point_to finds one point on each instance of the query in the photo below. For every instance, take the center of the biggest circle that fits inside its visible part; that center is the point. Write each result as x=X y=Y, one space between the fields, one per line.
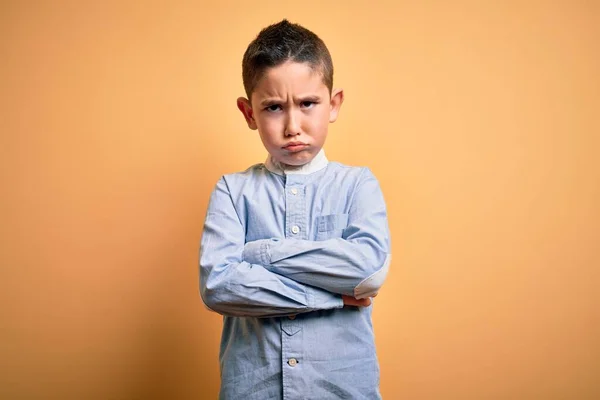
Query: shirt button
x=292 y=317
x=294 y=191
x=292 y=362
x=295 y=229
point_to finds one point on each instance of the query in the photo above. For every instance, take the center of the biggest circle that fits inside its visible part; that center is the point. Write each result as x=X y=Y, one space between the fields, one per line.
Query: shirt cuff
x=319 y=299
x=258 y=251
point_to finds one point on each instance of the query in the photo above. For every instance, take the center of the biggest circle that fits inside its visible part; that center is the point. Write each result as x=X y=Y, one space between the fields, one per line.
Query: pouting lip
x=290 y=144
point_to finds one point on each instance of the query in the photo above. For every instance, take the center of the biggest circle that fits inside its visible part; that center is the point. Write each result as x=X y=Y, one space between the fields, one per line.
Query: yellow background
x=480 y=120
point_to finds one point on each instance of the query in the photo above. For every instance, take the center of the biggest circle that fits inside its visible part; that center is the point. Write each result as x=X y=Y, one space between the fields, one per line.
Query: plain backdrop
x=480 y=119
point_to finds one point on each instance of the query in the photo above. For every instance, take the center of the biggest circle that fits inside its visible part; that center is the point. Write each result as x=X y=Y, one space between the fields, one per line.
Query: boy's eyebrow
x=270 y=101
x=275 y=100
x=309 y=97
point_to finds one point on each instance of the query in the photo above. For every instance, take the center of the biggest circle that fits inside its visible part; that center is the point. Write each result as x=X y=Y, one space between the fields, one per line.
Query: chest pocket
x=331 y=226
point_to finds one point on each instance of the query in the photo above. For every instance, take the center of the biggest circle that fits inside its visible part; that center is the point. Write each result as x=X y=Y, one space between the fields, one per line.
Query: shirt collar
x=314 y=165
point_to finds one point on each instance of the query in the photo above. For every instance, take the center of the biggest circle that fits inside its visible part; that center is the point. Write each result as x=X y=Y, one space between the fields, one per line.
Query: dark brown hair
x=279 y=43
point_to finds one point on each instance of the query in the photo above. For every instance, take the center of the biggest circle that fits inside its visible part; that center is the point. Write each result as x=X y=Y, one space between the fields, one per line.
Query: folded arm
x=354 y=265
x=231 y=286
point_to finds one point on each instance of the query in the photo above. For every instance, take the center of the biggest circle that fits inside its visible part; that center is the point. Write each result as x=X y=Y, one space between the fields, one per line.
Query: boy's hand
x=351 y=301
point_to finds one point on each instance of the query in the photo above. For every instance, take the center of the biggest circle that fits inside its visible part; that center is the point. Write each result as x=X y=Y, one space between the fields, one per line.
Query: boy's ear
x=246 y=108
x=337 y=98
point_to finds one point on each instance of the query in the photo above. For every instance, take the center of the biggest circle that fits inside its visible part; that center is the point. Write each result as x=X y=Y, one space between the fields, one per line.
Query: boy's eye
x=273 y=107
x=307 y=104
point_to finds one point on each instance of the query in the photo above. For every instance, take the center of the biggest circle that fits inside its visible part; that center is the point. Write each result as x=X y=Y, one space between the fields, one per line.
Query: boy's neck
x=316 y=164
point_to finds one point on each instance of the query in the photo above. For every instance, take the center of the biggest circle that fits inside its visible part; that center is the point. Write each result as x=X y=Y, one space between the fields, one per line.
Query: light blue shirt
x=279 y=248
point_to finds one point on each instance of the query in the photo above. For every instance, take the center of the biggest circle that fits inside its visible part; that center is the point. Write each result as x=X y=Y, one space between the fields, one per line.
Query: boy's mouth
x=295 y=146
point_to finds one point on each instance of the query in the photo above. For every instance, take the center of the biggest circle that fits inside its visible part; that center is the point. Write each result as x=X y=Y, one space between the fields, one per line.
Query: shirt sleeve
x=234 y=287
x=355 y=265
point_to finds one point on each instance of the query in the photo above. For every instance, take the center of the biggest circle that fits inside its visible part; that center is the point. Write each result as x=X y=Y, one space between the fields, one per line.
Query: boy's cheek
x=265 y=127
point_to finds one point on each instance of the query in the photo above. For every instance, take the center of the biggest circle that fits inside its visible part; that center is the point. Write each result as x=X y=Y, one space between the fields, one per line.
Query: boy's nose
x=292 y=128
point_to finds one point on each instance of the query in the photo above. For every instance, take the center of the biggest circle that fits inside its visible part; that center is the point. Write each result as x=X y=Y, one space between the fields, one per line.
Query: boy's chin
x=296 y=160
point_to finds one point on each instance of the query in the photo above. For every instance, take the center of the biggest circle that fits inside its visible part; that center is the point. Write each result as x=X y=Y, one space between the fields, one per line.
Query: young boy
x=294 y=249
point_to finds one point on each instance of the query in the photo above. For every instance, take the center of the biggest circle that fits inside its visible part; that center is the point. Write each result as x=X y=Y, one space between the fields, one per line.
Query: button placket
x=294 y=208
x=295 y=228
x=291 y=328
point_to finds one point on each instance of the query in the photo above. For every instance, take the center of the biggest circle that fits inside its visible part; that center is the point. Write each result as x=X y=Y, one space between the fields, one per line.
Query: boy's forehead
x=290 y=76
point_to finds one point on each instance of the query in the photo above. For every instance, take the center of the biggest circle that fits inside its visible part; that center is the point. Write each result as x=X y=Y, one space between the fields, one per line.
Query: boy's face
x=291 y=108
